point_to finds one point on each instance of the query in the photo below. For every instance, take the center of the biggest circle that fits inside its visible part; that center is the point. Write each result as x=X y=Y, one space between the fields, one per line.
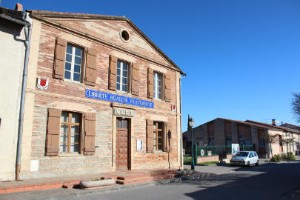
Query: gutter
x=27 y=30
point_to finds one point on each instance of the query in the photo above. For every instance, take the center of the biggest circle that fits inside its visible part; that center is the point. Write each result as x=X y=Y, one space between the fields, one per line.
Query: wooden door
x=123 y=147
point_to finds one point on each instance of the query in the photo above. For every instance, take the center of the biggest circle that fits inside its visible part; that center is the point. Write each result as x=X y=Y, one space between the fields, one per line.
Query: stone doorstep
x=128 y=179
x=142 y=178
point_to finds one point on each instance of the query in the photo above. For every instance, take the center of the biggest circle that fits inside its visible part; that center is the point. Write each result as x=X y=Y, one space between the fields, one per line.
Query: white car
x=246 y=158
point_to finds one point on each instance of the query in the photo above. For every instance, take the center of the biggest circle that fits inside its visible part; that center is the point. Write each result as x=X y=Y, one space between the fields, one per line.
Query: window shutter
x=53 y=132
x=165 y=138
x=89 y=133
x=150 y=83
x=112 y=82
x=167 y=91
x=149 y=136
x=60 y=56
x=135 y=79
x=90 y=70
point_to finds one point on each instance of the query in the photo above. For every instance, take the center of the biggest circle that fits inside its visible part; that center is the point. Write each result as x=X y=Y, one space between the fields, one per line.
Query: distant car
x=246 y=158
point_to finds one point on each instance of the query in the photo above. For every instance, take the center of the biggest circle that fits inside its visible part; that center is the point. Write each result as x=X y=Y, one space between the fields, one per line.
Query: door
x=123 y=147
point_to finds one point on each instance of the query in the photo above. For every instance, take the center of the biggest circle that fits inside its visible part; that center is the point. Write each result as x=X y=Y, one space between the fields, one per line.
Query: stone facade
x=104 y=36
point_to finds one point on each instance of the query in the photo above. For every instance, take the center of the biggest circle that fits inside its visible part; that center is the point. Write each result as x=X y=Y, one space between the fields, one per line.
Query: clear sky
x=241 y=57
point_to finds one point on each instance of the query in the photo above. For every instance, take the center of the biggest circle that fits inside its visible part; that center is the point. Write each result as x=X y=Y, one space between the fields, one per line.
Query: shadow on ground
x=266 y=182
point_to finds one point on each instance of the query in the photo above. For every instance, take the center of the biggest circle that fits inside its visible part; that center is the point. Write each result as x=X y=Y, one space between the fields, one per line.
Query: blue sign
x=94 y=94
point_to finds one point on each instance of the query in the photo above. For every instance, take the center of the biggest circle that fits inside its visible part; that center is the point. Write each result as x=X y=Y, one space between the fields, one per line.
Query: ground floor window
x=70 y=132
x=158 y=135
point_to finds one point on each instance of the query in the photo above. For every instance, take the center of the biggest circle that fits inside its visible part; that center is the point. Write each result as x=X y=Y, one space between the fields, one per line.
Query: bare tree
x=296 y=105
x=271 y=139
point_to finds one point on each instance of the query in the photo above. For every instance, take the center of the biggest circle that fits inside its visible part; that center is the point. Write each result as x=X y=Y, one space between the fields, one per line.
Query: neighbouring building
x=266 y=139
x=14 y=29
x=296 y=136
x=101 y=97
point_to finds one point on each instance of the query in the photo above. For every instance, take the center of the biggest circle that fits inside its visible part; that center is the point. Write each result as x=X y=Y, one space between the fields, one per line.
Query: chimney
x=274 y=122
x=19 y=7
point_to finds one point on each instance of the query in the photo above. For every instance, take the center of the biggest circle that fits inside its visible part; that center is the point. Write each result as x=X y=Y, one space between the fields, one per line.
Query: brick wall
x=70 y=96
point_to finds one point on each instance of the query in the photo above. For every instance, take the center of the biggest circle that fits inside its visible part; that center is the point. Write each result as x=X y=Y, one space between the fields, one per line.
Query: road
x=270 y=181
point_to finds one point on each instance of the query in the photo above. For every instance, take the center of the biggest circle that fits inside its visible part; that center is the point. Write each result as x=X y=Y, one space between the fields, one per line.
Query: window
x=228 y=140
x=158 y=135
x=73 y=64
x=158 y=85
x=70 y=132
x=211 y=140
x=122 y=76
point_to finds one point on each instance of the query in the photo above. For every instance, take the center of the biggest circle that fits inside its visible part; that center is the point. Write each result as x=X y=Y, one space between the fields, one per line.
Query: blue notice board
x=94 y=94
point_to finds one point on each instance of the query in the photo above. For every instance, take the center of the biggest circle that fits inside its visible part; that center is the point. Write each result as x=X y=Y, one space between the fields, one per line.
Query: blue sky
x=241 y=57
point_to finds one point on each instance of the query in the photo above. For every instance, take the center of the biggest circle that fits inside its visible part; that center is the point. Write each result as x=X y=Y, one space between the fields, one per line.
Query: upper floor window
x=157 y=85
x=73 y=64
x=122 y=76
x=70 y=132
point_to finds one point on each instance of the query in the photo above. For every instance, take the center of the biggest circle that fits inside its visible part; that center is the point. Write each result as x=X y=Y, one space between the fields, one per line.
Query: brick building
x=267 y=139
x=101 y=96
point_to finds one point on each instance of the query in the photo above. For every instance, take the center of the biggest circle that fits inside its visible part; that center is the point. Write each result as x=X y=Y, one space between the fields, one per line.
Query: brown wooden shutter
x=53 y=132
x=150 y=83
x=90 y=70
x=149 y=136
x=60 y=56
x=167 y=91
x=165 y=138
x=89 y=133
x=112 y=79
x=135 y=79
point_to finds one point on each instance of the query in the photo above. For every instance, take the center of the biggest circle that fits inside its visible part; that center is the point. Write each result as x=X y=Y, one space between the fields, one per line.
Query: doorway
x=123 y=144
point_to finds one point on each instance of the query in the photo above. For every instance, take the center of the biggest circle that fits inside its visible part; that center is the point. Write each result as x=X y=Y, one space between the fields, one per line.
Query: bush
x=291 y=156
x=288 y=156
x=187 y=160
x=209 y=163
x=276 y=158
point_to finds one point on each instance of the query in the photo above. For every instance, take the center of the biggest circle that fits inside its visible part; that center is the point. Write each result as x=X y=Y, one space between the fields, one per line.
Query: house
x=101 y=97
x=266 y=139
x=14 y=34
x=296 y=136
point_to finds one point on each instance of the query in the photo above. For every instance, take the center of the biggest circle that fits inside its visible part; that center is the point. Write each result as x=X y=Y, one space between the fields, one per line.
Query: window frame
x=73 y=63
x=69 y=125
x=158 y=146
x=120 y=74
x=158 y=81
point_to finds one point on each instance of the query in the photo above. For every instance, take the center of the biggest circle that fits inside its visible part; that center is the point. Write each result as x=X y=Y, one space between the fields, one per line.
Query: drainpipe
x=27 y=30
x=181 y=142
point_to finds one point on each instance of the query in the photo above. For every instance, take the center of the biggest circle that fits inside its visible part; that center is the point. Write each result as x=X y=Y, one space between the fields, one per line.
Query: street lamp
x=191 y=124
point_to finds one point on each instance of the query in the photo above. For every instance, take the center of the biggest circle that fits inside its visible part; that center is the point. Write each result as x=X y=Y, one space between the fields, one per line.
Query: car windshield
x=243 y=154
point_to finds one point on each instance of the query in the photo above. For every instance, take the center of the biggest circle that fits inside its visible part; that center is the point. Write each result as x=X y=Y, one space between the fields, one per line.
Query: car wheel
x=257 y=163
x=248 y=164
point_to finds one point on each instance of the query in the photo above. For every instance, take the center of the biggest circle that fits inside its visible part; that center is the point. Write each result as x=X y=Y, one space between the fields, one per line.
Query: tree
x=270 y=139
x=296 y=105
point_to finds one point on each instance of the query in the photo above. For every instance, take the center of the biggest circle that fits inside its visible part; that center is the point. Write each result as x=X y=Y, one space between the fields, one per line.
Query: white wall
x=11 y=65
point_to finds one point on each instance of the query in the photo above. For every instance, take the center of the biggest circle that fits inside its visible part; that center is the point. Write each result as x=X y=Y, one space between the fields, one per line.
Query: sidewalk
x=132 y=177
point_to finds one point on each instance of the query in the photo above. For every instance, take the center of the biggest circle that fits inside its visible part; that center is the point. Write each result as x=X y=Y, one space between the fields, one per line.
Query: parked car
x=246 y=158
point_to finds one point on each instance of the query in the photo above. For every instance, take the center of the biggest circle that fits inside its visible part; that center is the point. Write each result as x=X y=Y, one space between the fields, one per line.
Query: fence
x=214 y=150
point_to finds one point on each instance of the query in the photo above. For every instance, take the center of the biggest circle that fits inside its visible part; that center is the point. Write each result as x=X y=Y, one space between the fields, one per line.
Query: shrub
x=291 y=156
x=187 y=160
x=276 y=158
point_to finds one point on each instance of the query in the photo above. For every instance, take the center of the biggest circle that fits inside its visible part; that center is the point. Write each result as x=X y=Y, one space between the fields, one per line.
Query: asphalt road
x=270 y=181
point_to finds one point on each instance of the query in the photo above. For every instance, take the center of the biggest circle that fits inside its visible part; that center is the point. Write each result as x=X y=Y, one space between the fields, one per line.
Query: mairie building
x=100 y=97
